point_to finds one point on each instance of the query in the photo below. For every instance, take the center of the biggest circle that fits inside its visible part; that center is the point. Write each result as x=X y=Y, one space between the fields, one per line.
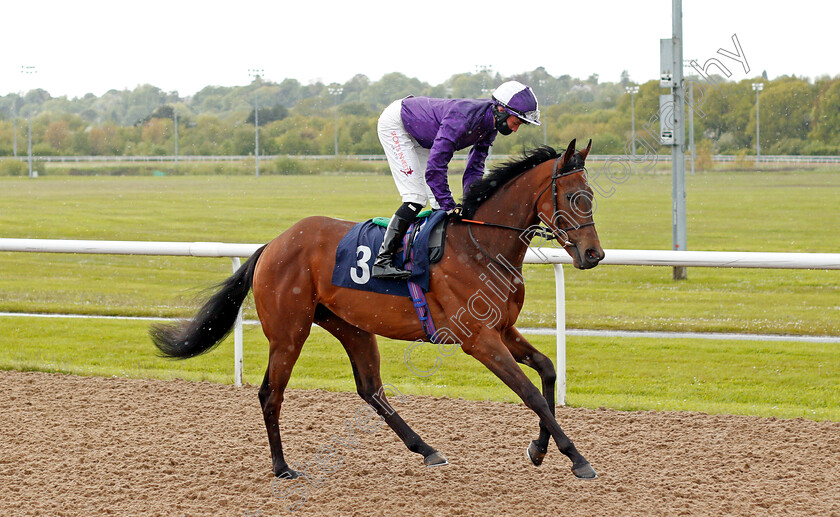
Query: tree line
x=798 y=116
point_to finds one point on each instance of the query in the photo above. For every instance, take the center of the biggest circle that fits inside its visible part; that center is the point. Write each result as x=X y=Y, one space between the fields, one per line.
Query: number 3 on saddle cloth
x=357 y=251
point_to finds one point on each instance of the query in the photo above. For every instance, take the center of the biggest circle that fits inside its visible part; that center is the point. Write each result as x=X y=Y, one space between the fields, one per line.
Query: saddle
x=357 y=250
x=437 y=238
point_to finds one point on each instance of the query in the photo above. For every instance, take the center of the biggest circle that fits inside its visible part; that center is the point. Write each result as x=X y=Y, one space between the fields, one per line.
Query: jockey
x=420 y=135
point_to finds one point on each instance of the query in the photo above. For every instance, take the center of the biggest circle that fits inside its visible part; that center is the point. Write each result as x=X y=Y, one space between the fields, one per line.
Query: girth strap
x=421 y=306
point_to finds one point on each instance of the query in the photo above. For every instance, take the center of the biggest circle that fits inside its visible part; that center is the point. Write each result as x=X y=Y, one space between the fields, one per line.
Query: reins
x=546 y=233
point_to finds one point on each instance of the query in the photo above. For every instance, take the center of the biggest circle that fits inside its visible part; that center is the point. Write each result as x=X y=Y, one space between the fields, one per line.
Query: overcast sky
x=93 y=46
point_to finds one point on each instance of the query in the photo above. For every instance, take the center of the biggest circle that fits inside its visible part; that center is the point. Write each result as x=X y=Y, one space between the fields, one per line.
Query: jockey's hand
x=456 y=212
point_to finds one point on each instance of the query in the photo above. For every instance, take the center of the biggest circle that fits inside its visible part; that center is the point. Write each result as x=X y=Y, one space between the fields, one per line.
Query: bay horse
x=291 y=279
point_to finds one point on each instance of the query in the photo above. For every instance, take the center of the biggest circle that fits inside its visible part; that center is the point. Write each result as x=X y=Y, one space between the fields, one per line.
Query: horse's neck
x=513 y=205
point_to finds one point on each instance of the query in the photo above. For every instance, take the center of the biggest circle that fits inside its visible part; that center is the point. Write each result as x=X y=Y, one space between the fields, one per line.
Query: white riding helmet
x=518 y=99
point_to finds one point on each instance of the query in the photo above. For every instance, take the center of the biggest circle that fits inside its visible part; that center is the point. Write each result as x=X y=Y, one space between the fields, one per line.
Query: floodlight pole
x=632 y=90
x=483 y=70
x=692 y=147
x=544 y=125
x=485 y=91
x=256 y=73
x=335 y=92
x=690 y=86
x=678 y=148
x=30 y=145
x=15 y=116
x=29 y=71
x=757 y=87
x=175 y=117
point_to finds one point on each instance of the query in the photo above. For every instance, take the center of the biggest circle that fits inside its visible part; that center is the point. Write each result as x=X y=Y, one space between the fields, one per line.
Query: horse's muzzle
x=590 y=258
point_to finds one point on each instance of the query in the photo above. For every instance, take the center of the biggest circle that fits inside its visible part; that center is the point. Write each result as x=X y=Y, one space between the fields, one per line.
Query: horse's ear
x=570 y=151
x=585 y=152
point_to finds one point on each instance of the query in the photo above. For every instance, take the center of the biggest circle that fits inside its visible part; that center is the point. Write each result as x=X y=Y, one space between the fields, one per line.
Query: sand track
x=95 y=446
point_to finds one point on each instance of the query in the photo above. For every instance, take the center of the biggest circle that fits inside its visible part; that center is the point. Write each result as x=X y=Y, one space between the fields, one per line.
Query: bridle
x=547 y=233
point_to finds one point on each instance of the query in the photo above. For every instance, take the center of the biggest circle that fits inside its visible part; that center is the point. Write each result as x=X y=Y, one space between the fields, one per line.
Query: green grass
x=768 y=211
x=782 y=379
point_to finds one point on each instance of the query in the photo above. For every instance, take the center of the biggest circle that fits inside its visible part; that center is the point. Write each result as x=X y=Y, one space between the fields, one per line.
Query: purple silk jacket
x=446 y=126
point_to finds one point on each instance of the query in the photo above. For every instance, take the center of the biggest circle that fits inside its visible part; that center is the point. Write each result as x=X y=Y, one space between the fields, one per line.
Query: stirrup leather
x=383 y=266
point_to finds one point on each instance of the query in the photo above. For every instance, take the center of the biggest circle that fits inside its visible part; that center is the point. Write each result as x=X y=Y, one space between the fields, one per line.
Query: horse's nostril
x=592 y=255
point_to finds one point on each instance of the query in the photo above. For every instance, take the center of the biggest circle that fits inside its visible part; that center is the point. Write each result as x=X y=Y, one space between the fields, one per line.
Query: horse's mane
x=484 y=188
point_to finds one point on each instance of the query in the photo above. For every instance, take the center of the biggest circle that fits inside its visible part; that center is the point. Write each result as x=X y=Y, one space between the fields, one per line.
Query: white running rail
x=554 y=256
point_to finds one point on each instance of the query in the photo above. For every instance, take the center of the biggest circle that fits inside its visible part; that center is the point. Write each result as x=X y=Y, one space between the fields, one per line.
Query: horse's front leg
x=525 y=353
x=489 y=349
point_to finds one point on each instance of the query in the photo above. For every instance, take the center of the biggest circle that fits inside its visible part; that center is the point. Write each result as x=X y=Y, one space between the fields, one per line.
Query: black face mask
x=501 y=121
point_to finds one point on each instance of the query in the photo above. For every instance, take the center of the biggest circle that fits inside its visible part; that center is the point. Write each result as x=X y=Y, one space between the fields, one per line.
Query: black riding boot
x=384 y=266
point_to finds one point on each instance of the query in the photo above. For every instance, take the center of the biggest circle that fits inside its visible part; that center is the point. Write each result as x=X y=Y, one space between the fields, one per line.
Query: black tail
x=214 y=321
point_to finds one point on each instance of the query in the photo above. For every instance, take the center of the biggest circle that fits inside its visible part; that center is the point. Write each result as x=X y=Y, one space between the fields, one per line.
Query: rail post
x=560 y=309
x=238 y=362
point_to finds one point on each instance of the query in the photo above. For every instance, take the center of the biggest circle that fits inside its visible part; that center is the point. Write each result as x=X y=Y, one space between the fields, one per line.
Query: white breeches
x=406 y=157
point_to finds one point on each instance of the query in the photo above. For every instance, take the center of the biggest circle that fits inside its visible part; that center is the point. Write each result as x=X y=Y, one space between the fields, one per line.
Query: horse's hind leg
x=525 y=353
x=285 y=343
x=364 y=357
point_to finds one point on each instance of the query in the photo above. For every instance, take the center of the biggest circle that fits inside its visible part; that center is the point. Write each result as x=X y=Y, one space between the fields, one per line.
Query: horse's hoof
x=535 y=454
x=435 y=459
x=584 y=471
x=286 y=473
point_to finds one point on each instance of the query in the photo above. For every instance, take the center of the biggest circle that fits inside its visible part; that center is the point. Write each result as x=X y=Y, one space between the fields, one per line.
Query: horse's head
x=570 y=207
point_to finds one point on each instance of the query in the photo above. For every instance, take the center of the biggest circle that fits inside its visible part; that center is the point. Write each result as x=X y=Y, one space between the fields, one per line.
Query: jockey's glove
x=456 y=212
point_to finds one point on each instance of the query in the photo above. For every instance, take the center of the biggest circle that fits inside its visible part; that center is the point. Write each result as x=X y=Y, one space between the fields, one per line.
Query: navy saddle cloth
x=357 y=251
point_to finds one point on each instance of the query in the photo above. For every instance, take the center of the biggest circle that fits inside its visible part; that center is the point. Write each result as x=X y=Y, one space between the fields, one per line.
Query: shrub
x=815 y=147
x=350 y=165
x=744 y=159
x=286 y=165
x=729 y=143
x=12 y=167
x=703 y=160
x=787 y=146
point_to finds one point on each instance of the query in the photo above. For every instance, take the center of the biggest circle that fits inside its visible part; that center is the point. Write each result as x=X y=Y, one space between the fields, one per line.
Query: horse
x=484 y=251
